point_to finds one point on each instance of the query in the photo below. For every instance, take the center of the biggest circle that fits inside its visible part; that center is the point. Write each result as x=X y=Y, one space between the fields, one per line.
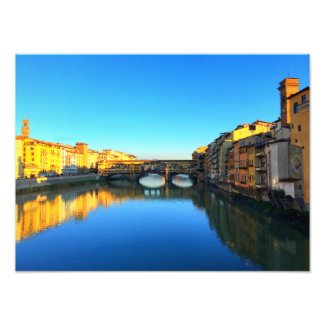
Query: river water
x=154 y=225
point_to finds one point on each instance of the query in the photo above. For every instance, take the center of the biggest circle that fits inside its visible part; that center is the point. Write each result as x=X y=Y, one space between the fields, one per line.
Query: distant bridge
x=135 y=169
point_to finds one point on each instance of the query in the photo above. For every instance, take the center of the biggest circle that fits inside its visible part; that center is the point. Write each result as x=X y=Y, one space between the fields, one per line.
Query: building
x=300 y=136
x=263 y=160
x=69 y=160
x=82 y=157
x=37 y=157
x=295 y=114
x=218 y=167
x=109 y=154
x=245 y=130
x=93 y=157
x=288 y=86
x=19 y=157
x=41 y=157
x=199 y=158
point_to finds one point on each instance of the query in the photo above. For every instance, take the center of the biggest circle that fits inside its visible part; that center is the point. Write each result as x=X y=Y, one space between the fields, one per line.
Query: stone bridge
x=133 y=170
x=131 y=176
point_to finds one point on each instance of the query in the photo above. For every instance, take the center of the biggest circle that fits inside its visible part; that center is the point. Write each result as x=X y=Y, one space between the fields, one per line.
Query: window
x=296 y=140
x=252 y=127
x=291 y=126
x=303 y=99
x=299 y=127
x=295 y=108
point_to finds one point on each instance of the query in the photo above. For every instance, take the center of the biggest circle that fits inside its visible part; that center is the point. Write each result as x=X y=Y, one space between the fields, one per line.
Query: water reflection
x=182 y=181
x=152 y=181
x=259 y=242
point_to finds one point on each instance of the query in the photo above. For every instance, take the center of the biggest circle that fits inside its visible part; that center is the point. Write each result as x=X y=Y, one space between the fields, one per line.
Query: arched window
x=295 y=108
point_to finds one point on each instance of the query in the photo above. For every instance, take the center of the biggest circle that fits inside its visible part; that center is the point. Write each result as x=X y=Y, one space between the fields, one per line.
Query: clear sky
x=153 y=106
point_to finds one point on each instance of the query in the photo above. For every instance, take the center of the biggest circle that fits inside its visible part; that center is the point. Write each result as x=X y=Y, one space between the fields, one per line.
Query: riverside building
x=36 y=157
x=267 y=161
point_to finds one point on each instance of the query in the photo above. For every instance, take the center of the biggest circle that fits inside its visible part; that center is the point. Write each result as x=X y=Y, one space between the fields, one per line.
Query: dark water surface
x=150 y=226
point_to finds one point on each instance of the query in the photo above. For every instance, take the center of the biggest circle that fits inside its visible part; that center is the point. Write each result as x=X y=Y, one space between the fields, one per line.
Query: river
x=154 y=225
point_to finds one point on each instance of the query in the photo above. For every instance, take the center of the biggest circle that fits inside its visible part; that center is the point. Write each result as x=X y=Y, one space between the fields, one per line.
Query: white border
x=159 y=27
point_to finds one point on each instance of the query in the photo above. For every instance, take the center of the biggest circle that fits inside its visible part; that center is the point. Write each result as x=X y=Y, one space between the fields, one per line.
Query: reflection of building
x=256 y=238
x=43 y=212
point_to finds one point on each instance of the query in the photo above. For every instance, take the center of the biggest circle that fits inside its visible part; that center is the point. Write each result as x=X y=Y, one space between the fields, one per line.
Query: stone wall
x=33 y=183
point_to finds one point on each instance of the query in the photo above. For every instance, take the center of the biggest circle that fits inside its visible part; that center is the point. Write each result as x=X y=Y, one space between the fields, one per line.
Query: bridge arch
x=117 y=176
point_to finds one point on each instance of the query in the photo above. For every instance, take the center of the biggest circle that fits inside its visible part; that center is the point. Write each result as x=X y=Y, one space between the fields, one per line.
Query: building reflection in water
x=36 y=213
x=256 y=238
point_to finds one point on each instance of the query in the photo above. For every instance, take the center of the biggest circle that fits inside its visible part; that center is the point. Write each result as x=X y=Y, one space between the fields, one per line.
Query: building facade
x=36 y=158
x=267 y=161
x=300 y=133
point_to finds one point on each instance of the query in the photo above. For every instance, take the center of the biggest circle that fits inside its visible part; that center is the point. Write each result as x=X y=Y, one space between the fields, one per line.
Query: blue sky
x=153 y=106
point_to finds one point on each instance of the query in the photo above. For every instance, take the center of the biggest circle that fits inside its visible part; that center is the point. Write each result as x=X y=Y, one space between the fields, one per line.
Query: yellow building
x=299 y=117
x=247 y=130
x=109 y=154
x=34 y=157
x=82 y=160
x=93 y=157
x=40 y=157
x=19 y=157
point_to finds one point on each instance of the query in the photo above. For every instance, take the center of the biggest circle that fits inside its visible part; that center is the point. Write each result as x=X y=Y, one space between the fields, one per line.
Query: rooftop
x=299 y=92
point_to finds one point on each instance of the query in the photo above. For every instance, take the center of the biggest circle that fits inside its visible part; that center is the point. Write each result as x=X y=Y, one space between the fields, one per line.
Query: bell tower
x=25 y=130
x=288 y=86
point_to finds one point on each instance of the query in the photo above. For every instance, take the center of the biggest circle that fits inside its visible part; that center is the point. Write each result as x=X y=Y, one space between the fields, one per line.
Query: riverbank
x=44 y=183
x=296 y=219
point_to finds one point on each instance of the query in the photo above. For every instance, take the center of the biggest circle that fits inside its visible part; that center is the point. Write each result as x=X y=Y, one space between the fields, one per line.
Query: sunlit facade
x=19 y=157
x=36 y=158
x=268 y=161
x=300 y=125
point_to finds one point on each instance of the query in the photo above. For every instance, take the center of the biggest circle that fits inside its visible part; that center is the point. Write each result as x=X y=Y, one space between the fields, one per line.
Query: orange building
x=295 y=113
x=299 y=111
x=243 y=166
x=235 y=170
x=288 y=86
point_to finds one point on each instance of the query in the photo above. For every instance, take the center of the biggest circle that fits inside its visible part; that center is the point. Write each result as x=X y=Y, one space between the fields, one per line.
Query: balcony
x=260 y=154
x=261 y=185
x=260 y=169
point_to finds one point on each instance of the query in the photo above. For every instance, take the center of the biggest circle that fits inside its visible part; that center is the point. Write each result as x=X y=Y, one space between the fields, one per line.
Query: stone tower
x=25 y=130
x=288 y=86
